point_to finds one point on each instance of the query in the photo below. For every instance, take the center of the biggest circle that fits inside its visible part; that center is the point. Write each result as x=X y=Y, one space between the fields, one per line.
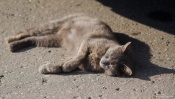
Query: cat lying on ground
x=92 y=41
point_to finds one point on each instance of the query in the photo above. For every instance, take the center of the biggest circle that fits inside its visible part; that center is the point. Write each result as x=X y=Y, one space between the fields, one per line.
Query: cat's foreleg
x=73 y=63
x=67 y=66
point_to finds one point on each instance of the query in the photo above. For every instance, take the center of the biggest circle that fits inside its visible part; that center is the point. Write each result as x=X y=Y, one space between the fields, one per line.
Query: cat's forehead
x=115 y=54
x=116 y=51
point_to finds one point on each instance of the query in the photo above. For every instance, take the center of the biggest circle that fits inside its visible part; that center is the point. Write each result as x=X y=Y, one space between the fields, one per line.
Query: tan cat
x=91 y=40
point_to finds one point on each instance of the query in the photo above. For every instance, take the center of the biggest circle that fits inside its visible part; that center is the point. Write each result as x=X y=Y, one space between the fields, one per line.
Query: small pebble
x=12 y=14
x=44 y=81
x=89 y=97
x=104 y=87
x=77 y=86
x=1 y=76
x=100 y=95
x=76 y=97
x=21 y=66
x=117 y=89
x=159 y=92
x=78 y=4
x=152 y=82
x=159 y=52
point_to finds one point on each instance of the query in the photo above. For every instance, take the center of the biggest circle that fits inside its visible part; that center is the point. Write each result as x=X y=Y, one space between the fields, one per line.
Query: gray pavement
x=153 y=47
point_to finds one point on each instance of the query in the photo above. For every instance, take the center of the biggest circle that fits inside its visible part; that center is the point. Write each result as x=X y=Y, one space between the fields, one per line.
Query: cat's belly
x=71 y=44
x=72 y=39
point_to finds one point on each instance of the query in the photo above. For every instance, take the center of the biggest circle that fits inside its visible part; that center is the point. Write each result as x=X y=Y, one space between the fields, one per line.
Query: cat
x=92 y=41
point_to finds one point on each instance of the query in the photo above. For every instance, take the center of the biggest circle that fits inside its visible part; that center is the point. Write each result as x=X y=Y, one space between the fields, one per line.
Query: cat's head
x=116 y=60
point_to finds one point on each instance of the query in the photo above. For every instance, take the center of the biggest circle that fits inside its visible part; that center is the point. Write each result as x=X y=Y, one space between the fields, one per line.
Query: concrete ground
x=148 y=24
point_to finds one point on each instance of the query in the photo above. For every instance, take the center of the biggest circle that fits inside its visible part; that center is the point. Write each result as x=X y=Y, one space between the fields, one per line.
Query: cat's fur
x=92 y=41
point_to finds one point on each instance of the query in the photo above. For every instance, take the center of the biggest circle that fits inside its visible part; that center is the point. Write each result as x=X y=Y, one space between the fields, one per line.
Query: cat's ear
x=126 y=48
x=127 y=70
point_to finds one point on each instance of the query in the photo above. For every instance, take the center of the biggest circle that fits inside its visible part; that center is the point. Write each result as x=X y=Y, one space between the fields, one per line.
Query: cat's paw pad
x=50 y=69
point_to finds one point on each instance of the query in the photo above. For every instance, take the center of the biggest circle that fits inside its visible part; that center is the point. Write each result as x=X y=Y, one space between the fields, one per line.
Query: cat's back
x=81 y=27
x=85 y=26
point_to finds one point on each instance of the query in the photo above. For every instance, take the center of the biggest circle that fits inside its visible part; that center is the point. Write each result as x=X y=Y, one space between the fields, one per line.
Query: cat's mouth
x=111 y=71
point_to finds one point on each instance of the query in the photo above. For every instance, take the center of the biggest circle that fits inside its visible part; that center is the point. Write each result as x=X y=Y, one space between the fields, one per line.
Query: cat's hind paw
x=16 y=37
x=50 y=69
x=13 y=47
x=10 y=39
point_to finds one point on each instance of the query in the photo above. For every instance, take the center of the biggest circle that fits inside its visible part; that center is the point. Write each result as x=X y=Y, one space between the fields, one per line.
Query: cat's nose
x=105 y=62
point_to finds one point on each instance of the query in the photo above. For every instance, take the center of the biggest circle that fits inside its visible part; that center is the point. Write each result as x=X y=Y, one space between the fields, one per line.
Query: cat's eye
x=122 y=63
x=112 y=63
x=106 y=56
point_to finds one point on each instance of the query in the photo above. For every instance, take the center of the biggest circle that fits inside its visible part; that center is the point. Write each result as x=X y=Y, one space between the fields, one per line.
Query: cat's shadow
x=76 y=72
x=144 y=69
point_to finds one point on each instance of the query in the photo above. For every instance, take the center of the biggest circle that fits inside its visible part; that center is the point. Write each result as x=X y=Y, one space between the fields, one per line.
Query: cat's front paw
x=50 y=69
x=69 y=66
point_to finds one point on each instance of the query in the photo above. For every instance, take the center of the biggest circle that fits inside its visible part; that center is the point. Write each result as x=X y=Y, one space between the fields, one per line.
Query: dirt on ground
x=148 y=24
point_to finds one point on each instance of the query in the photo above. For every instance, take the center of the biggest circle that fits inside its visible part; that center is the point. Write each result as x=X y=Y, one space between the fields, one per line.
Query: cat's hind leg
x=51 y=28
x=47 y=29
x=42 y=41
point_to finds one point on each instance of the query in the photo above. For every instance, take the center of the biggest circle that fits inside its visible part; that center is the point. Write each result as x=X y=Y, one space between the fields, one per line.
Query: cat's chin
x=111 y=73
